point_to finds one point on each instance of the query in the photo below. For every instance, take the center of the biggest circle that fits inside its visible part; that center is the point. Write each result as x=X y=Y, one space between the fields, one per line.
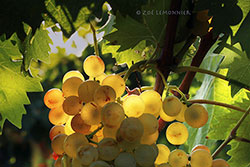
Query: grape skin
x=99 y=164
x=166 y=117
x=72 y=73
x=55 y=130
x=133 y=106
x=86 y=91
x=78 y=125
x=72 y=105
x=152 y=101
x=150 y=139
x=131 y=129
x=108 y=149
x=200 y=146
x=178 y=158
x=93 y=66
x=149 y=122
x=125 y=160
x=87 y=154
x=73 y=142
x=53 y=98
x=172 y=106
x=162 y=155
x=196 y=115
x=180 y=117
x=116 y=82
x=145 y=155
x=70 y=86
x=200 y=158
x=67 y=128
x=177 y=133
x=57 y=144
x=91 y=113
x=112 y=114
x=57 y=116
x=103 y=95
x=220 y=163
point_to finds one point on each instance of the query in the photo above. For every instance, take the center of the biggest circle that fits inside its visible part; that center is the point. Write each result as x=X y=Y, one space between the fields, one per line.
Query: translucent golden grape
x=178 y=158
x=116 y=82
x=73 y=73
x=196 y=115
x=93 y=66
x=172 y=106
x=163 y=154
x=133 y=106
x=177 y=133
x=201 y=157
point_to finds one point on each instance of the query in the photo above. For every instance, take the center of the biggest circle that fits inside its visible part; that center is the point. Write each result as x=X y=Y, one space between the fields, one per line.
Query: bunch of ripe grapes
x=95 y=126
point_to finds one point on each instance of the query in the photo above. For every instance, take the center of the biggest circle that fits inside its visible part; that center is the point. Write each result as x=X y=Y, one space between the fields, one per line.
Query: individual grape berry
x=163 y=154
x=91 y=113
x=73 y=73
x=116 y=82
x=57 y=116
x=152 y=101
x=150 y=123
x=108 y=149
x=172 y=106
x=196 y=115
x=178 y=158
x=70 y=86
x=133 y=106
x=73 y=142
x=103 y=95
x=220 y=163
x=55 y=130
x=200 y=146
x=57 y=144
x=125 y=160
x=177 y=133
x=53 y=98
x=79 y=125
x=87 y=154
x=112 y=114
x=72 y=105
x=145 y=155
x=86 y=91
x=201 y=157
x=93 y=66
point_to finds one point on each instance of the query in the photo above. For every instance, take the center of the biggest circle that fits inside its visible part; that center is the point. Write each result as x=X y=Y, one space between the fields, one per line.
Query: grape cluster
x=95 y=126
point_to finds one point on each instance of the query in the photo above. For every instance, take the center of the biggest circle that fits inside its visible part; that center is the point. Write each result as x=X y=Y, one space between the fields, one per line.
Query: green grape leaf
x=238 y=65
x=73 y=14
x=224 y=120
x=130 y=32
x=128 y=7
x=138 y=53
x=36 y=47
x=14 y=85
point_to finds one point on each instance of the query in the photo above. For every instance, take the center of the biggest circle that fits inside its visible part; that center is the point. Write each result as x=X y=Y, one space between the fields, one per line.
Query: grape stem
x=91 y=135
x=202 y=101
x=232 y=134
x=95 y=40
x=241 y=139
x=215 y=74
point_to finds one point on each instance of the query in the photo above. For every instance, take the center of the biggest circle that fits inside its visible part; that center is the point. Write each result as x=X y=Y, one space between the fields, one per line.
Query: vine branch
x=215 y=74
x=217 y=103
